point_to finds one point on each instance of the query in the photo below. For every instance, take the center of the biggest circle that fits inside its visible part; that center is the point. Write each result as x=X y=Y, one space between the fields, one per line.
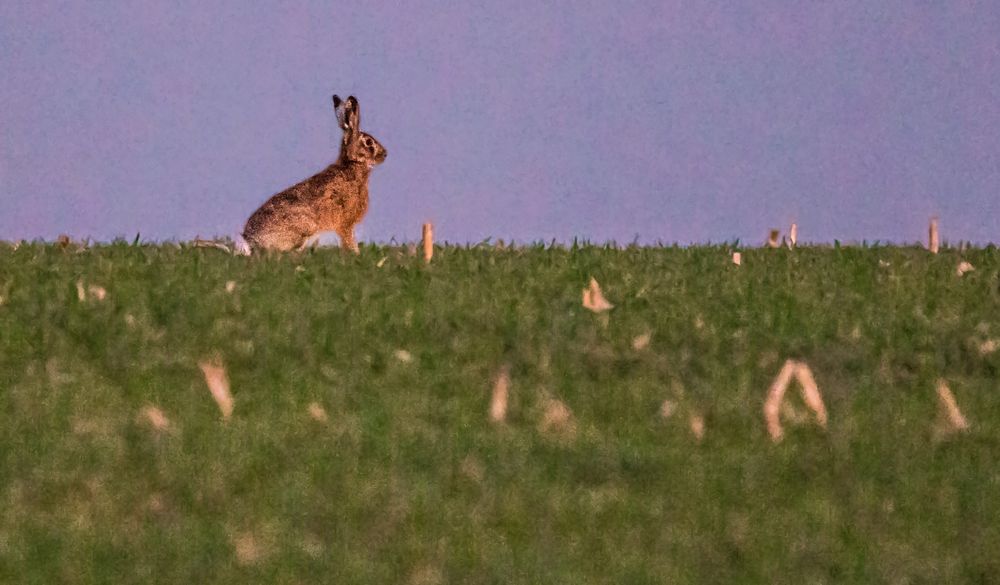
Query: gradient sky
x=663 y=121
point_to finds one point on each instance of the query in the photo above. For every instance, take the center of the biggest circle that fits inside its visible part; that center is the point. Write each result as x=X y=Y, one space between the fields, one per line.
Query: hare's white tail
x=240 y=246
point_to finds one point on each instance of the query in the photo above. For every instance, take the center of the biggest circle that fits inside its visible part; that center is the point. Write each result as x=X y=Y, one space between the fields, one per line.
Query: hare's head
x=357 y=146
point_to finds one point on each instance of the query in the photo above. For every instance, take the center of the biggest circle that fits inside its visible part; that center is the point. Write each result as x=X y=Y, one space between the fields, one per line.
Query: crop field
x=171 y=414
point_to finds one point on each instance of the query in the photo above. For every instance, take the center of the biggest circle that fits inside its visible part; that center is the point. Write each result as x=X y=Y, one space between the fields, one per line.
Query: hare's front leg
x=347 y=240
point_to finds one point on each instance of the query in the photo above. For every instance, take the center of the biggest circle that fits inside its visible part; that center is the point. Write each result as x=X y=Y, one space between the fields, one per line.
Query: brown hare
x=334 y=199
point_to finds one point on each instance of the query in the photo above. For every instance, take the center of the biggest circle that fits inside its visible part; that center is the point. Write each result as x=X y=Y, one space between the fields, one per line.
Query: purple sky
x=672 y=121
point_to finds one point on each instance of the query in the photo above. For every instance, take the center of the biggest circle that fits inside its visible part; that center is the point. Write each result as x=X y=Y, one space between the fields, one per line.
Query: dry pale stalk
x=155 y=417
x=230 y=286
x=933 y=240
x=558 y=417
x=964 y=267
x=317 y=412
x=426 y=574
x=949 y=407
x=248 y=550
x=793 y=235
x=403 y=356
x=641 y=341
x=428 y=242
x=501 y=389
x=772 y=238
x=737 y=258
x=772 y=407
x=155 y=503
x=697 y=423
x=668 y=408
x=810 y=392
x=91 y=291
x=200 y=243
x=810 y=395
x=593 y=298
x=218 y=385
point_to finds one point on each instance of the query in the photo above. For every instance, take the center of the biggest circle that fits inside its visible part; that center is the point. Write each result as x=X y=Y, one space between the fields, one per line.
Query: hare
x=335 y=199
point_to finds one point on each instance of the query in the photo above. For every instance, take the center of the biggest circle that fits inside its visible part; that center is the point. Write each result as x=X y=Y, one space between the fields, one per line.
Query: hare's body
x=335 y=199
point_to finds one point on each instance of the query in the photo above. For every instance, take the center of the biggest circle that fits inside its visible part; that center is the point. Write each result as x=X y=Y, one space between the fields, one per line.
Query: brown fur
x=335 y=199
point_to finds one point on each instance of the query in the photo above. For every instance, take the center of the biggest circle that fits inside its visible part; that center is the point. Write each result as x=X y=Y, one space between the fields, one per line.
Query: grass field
x=360 y=449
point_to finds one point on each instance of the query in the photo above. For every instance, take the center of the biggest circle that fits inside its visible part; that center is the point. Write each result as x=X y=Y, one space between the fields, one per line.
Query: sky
x=648 y=121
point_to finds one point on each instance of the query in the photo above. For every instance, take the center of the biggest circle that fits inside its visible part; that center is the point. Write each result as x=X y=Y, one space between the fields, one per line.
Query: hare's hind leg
x=281 y=241
x=347 y=240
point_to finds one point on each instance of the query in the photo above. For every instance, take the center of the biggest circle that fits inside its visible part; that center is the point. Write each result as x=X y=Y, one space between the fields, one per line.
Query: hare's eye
x=368 y=142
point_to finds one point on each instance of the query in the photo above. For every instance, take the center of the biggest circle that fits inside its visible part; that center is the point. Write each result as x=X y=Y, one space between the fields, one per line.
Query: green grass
x=409 y=482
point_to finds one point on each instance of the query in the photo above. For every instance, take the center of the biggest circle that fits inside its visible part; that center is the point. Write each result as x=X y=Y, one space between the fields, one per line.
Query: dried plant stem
x=933 y=240
x=501 y=389
x=428 y=238
x=949 y=407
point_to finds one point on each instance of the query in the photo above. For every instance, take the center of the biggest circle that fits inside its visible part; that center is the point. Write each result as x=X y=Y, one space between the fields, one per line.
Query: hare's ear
x=339 y=106
x=352 y=115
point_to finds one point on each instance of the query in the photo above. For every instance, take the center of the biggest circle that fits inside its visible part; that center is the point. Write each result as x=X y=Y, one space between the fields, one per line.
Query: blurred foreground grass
x=402 y=478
